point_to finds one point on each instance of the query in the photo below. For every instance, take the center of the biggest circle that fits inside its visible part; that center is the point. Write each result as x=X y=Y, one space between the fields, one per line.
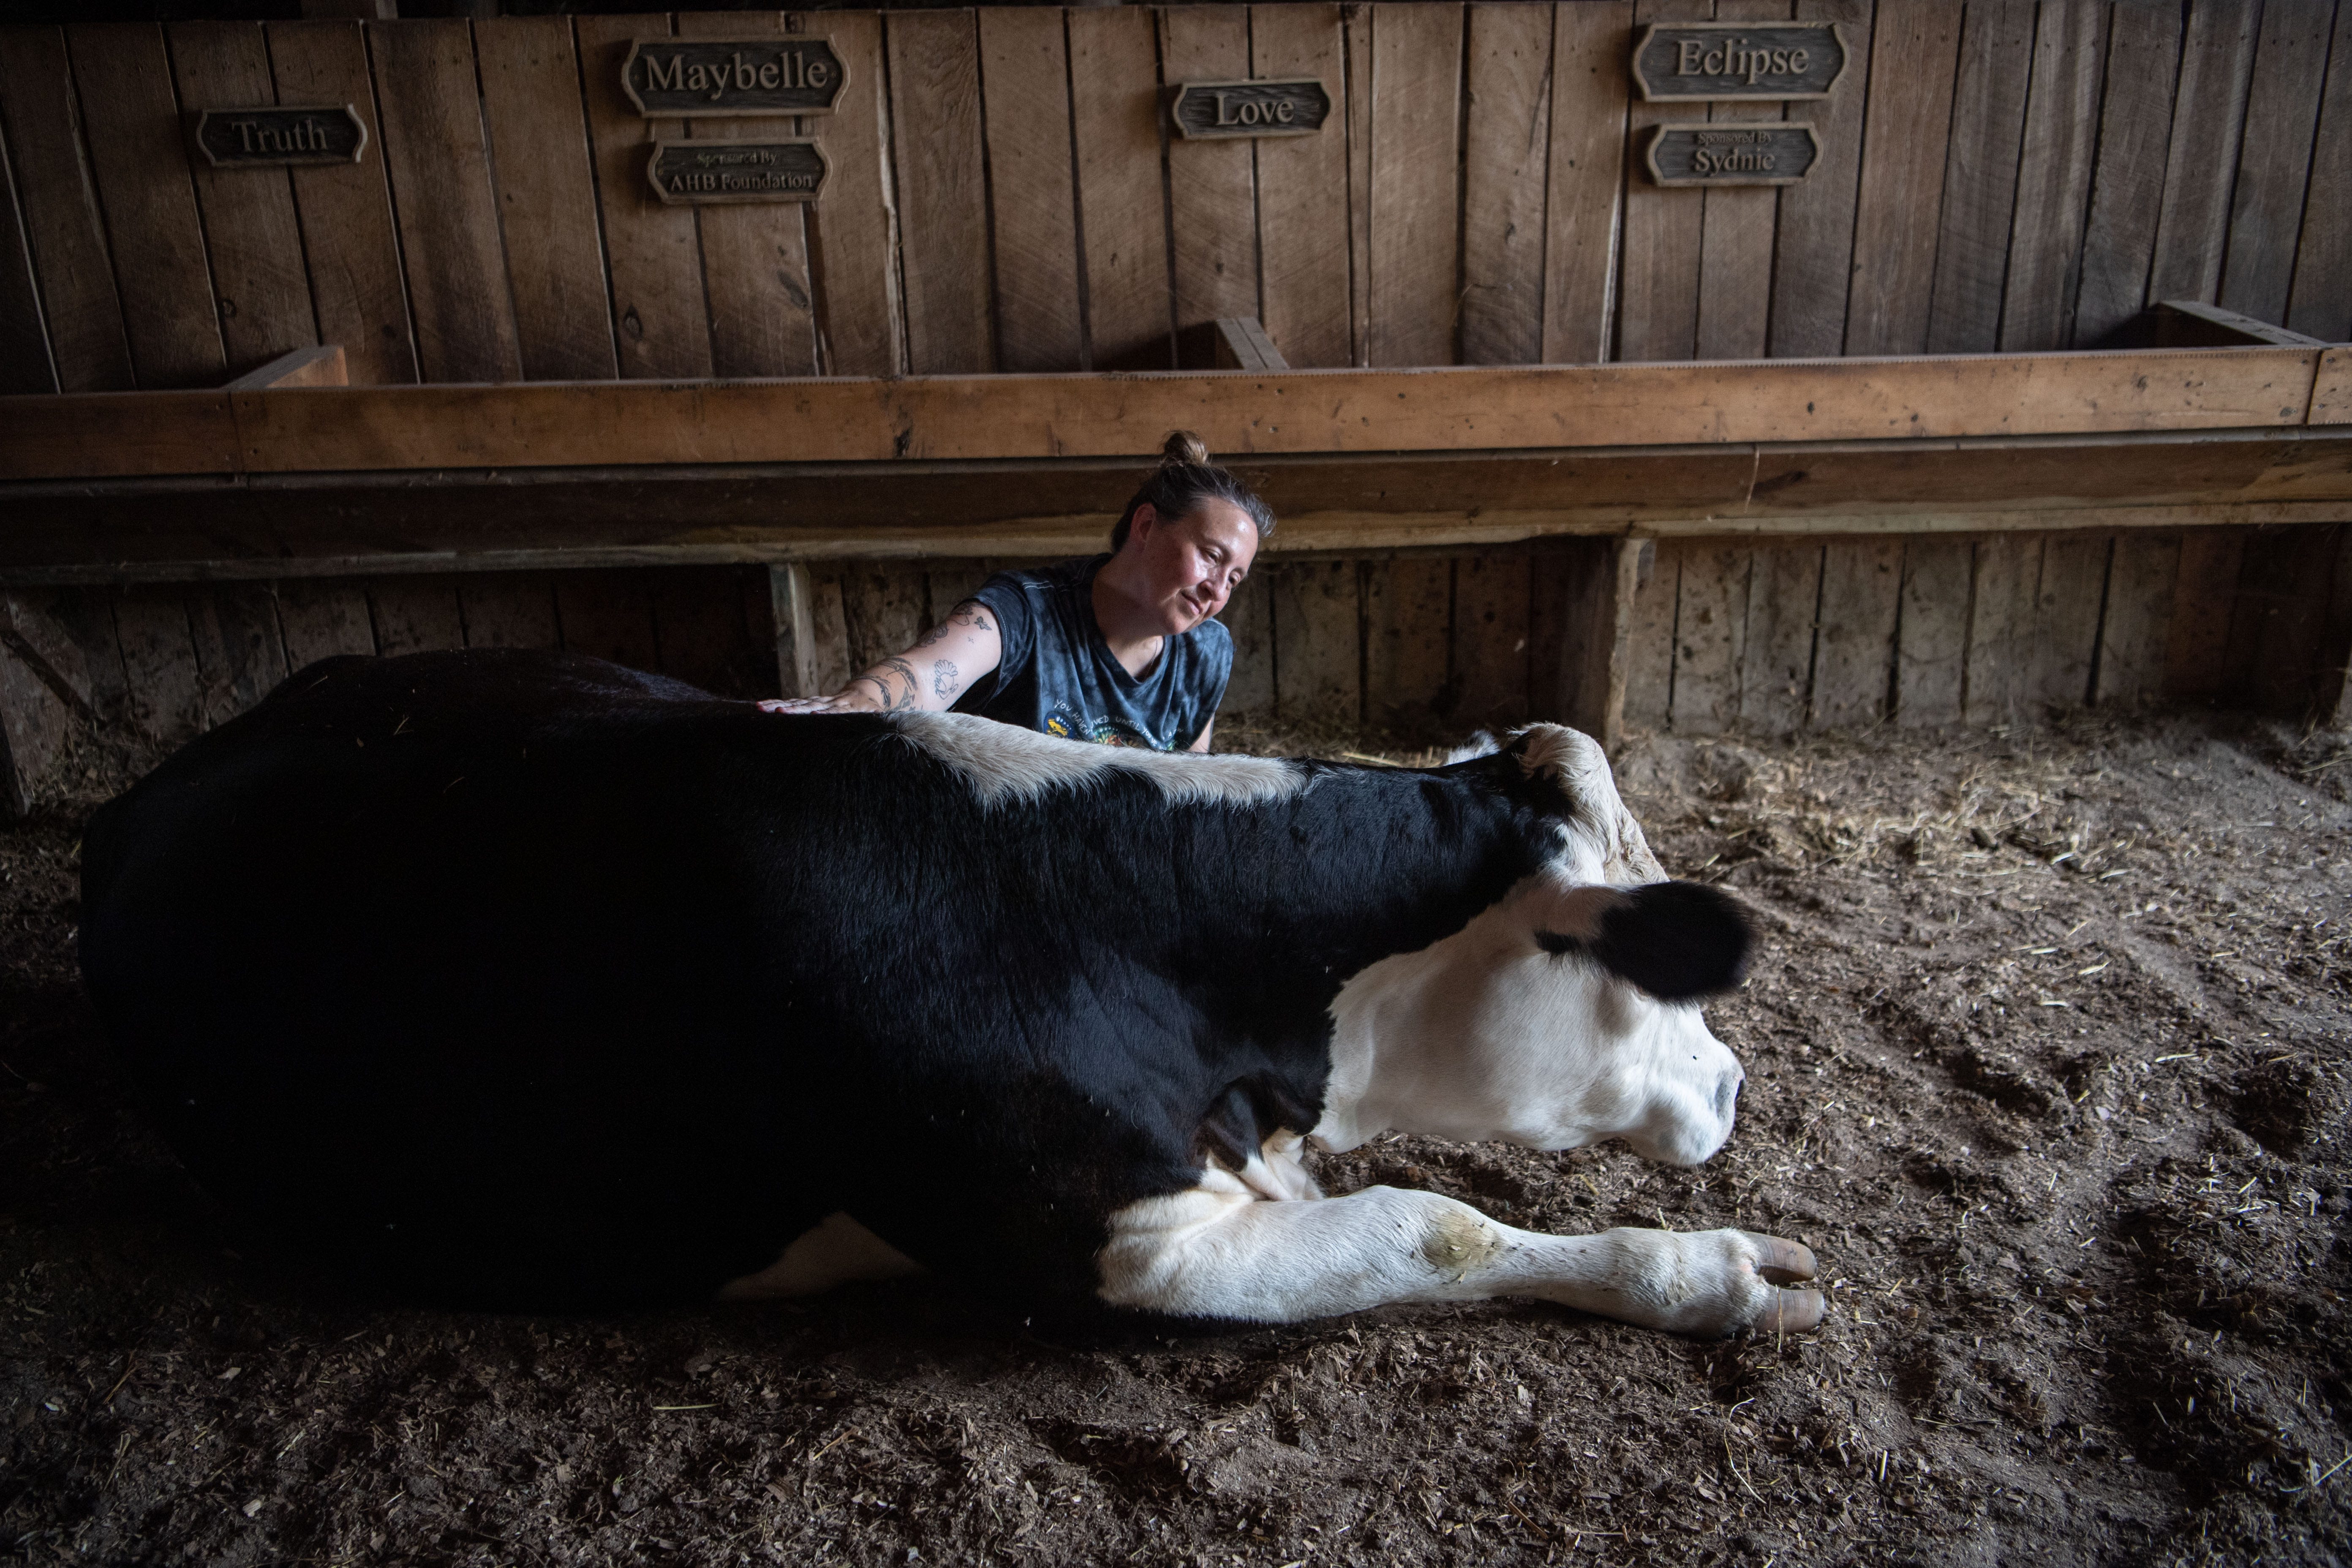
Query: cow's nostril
x=1726 y=1094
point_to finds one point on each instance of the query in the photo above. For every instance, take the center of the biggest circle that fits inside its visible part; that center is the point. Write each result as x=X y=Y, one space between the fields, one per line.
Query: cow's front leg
x=1219 y=1251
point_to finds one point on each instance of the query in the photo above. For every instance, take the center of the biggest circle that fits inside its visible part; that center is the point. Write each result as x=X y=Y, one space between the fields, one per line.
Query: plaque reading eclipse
x=718 y=173
x=1221 y=108
x=1720 y=61
x=693 y=77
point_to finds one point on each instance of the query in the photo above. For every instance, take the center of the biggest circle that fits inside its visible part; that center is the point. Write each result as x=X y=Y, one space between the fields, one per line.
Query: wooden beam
x=1240 y=415
x=321 y=365
x=2190 y=324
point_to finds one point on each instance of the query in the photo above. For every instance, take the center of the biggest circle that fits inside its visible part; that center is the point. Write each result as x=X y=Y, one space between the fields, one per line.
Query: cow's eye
x=1557 y=944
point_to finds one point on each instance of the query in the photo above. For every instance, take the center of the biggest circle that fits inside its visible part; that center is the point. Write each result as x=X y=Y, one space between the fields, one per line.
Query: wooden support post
x=1229 y=342
x=45 y=697
x=1583 y=633
x=812 y=633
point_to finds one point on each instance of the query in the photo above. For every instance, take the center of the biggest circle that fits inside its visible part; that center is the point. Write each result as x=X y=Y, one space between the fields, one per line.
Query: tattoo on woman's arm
x=943 y=680
x=969 y=615
x=906 y=672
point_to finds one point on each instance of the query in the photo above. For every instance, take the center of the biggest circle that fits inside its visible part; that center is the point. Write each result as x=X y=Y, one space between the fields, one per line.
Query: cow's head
x=1565 y=1015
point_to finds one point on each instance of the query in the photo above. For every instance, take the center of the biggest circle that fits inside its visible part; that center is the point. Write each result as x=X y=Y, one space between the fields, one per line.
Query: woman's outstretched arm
x=928 y=677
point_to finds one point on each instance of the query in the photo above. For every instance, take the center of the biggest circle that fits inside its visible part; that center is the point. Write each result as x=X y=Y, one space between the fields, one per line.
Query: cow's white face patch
x=1486 y=1034
x=1004 y=762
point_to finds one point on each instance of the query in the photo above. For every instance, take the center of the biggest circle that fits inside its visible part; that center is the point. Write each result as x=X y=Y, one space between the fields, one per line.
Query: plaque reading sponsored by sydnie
x=692 y=78
x=1776 y=152
x=1721 y=61
x=1211 y=109
x=715 y=174
x=274 y=135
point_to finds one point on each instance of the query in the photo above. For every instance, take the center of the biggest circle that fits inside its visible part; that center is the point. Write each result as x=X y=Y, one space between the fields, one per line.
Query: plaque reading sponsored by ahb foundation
x=718 y=173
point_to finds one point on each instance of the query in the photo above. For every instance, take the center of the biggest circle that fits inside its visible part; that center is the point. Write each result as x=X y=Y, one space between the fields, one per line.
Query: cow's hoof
x=1781 y=1261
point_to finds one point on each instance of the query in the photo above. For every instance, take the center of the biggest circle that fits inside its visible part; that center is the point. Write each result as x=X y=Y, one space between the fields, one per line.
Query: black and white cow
x=521 y=979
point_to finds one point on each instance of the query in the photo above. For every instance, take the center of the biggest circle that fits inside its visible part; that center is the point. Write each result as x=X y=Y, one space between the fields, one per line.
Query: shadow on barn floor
x=2047 y=1049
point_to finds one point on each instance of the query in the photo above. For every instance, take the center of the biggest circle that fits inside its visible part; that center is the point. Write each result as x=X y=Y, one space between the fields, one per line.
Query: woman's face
x=1192 y=563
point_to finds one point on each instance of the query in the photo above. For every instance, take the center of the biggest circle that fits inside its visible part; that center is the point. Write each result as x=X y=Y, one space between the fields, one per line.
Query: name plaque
x=693 y=77
x=1735 y=61
x=1776 y=152
x=274 y=135
x=1212 y=110
x=718 y=173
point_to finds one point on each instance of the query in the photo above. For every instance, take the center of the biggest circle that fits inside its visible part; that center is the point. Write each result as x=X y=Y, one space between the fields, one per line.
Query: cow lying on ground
x=524 y=980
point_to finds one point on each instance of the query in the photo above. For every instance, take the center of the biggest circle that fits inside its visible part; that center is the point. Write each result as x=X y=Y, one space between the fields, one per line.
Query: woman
x=1119 y=648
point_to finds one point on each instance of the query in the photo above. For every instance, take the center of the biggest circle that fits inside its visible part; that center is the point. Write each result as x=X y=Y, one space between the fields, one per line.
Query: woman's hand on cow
x=928 y=677
x=860 y=696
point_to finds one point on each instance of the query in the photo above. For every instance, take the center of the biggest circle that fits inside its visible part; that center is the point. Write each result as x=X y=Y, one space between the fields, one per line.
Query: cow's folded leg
x=1219 y=1253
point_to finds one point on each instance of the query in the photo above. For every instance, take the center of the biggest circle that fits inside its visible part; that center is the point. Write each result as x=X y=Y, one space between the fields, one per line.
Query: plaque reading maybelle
x=1730 y=61
x=688 y=78
x=1776 y=152
x=714 y=174
x=275 y=135
x=1211 y=109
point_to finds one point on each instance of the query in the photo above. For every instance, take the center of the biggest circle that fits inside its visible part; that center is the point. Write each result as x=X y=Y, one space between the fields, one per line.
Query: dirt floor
x=2048 y=1058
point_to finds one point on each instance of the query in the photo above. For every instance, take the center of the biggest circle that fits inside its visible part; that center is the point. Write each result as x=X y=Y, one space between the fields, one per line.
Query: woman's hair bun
x=1184 y=446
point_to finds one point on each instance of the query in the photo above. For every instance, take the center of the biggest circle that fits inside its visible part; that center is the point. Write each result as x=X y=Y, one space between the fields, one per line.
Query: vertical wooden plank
x=1657 y=312
x=240 y=654
x=41 y=119
x=2196 y=635
x=508 y=609
x=1211 y=184
x=1980 y=176
x=261 y=291
x=1899 y=211
x=853 y=243
x=1249 y=617
x=2000 y=628
x=139 y=158
x=319 y=618
x=1026 y=96
x=1710 y=637
x=792 y=614
x=1504 y=184
x=1784 y=596
x=439 y=166
x=1407 y=622
x=546 y=198
x=1319 y=645
x=1416 y=192
x=2274 y=157
x=653 y=252
x=2319 y=303
x=2217 y=62
x=1356 y=49
x=1490 y=640
x=607 y=614
x=1580 y=633
x=949 y=583
x=2137 y=625
x=1736 y=230
x=346 y=209
x=1585 y=179
x=25 y=361
x=2066 y=618
x=828 y=629
x=415 y=615
x=1302 y=183
x=159 y=663
x=1813 y=259
x=755 y=267
x=700 y=628
x=1931 y=640
x=36 y=729
x=2280 y=650
x=1122 y=217
x=942 y=205
x=1861 y=592
x=85 y=617
x=2127 y=190
x=2054 y=176
x=882 y=605
x=1650 y=661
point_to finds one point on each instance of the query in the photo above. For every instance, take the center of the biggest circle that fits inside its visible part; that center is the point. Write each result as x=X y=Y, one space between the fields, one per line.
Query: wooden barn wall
x=1995 y=175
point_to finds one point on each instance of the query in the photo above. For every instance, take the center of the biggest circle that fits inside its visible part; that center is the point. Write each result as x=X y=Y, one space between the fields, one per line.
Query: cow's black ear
x=1678 y=941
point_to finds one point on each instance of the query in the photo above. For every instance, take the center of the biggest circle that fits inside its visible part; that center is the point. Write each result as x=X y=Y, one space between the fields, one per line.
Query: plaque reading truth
x=274 y=135
x=1211 y=109
x=691 y=78
x=1734 y=60
x=1776 y=152
x=714 y=174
